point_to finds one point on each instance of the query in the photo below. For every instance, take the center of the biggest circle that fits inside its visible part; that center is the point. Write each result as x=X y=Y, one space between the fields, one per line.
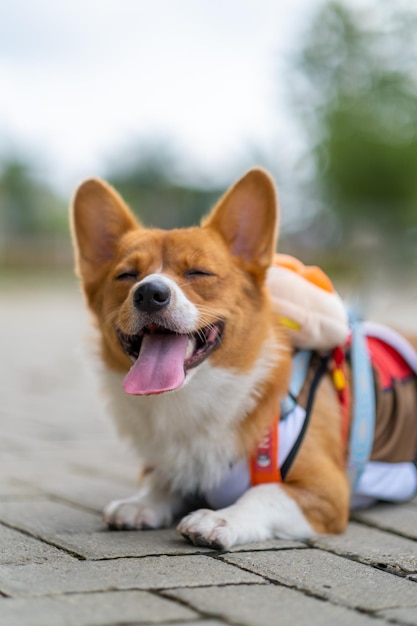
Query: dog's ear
x=99 y=217
x=247 y=218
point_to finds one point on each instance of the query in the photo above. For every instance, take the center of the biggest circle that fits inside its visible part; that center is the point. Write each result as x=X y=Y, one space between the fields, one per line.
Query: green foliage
x=34 y=220
x=27 y=206
x=355 y=92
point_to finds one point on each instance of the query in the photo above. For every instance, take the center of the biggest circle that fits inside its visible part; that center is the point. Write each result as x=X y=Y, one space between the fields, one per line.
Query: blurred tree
x=27 y=206
x=355 y=91
x=33 y=220
x=148 y=181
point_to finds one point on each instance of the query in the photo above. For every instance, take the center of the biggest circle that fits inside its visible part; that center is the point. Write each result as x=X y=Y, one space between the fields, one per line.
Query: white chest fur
x=190 y=435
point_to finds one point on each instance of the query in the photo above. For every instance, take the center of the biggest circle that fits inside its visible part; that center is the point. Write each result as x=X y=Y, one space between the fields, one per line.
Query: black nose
x=152 y=296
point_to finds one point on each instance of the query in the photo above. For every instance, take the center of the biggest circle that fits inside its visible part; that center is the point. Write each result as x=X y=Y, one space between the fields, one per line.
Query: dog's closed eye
x=196 y=273
x=127 y=276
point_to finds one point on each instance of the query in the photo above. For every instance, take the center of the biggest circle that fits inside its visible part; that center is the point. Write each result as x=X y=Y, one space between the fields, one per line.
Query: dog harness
x=375 y=353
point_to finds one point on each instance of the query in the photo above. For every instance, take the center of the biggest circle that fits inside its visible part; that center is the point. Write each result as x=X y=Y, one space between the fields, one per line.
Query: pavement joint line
x=308 y=593
x=216 y=556
x=162 y=590
x=71 y=502
x=271 y=581
x=381 y=567
x=137 y=556
x=152 y=590
x=387 y=529
x=204 y=615
x=187 y=604
x=243 y=550
x=48 y=542
x=44 y=494
x=169 y=556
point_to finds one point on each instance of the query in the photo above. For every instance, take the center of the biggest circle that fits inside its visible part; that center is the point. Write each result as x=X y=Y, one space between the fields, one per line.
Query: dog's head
x=170 y=301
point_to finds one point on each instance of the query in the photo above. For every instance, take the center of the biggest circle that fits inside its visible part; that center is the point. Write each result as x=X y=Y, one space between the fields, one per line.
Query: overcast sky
x=80 y=79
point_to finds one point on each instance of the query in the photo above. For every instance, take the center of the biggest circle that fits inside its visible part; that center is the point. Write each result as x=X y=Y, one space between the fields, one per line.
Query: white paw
x=209 y=528
x=137 y=512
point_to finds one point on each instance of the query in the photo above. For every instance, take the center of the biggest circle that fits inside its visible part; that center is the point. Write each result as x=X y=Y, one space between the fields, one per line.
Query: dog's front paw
x=208 y=528
x=136 y=513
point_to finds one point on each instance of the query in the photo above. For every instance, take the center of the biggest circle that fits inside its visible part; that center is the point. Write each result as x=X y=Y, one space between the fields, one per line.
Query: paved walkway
x=60 y=462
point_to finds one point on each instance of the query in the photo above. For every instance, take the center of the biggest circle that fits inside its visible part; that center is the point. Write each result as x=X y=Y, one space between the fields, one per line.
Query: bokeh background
x=171 y=101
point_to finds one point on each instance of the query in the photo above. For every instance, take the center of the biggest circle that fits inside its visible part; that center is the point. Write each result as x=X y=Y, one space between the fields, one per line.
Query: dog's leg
x=313 y=499
x=263 y=512
x=319 y=504
x=153 y=506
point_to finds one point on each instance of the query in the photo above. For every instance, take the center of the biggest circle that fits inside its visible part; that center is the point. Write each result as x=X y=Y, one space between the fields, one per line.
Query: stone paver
x=61 y=461
x=147 y=573
x=17 y=548
x=115 y=544
x=269 y=604
x=90 y=492
x=11 y=488
x=45 y=518
x=403 y=615
x=118 y=544
x=331 y=577
x=401 y=520
x=95 y=609
x=374 y=547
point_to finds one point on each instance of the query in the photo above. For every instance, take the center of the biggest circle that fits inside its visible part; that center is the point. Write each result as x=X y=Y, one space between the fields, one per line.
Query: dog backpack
x=318 y=322
x=316 y=319
x=314 y=314
x=308 y=305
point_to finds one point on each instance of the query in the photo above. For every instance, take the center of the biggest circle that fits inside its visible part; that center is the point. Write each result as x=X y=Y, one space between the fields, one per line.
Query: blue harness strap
x=300 y=365
x=363 y=409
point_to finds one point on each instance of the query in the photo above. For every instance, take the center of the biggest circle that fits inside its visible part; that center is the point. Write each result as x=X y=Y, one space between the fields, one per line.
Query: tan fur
x=318 y=480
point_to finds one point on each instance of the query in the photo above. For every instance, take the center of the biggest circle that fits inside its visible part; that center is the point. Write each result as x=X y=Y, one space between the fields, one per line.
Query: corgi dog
x=196 y=363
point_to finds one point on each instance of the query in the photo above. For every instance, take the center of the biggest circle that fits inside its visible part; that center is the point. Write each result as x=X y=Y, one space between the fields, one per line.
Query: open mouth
x=162 y=357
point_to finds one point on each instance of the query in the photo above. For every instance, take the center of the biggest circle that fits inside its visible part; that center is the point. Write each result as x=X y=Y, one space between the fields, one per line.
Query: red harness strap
x=343 y=393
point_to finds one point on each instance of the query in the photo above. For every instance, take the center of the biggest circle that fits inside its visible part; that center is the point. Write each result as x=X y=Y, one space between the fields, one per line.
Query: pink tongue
x=160 y=365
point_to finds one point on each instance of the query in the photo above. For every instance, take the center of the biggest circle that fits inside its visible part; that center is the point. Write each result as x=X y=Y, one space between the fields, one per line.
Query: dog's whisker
x=206 y=313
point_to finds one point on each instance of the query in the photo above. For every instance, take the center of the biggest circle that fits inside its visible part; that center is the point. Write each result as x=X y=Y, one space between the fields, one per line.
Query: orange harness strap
x=264 y=461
